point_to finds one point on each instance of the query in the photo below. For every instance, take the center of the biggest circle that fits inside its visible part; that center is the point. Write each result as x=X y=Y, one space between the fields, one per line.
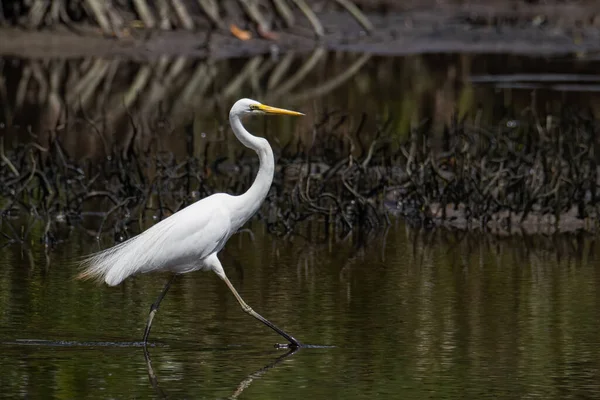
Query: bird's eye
x=253 y=107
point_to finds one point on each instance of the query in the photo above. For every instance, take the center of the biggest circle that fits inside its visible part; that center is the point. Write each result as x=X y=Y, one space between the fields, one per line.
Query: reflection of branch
x=249 y=69
x=139 y=83
x=103 y=89
x=280 y=69
x=85 y=86
x=4 y=95
x=302 y=72
x=333 y=83
x=22 y=87
x=194 y=90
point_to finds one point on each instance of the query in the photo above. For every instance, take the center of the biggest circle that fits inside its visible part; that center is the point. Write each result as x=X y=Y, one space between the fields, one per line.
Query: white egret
x=190 y=239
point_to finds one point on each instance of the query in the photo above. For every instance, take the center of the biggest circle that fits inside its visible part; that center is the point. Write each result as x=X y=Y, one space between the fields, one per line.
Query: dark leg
x=258 y=374
x=294 y=343
x=152 y=375
x=154 y=308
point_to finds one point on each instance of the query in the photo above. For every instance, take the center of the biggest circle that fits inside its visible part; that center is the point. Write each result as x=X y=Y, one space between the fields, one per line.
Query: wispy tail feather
x=89 y=274
x=142 y=253
x=103 y=266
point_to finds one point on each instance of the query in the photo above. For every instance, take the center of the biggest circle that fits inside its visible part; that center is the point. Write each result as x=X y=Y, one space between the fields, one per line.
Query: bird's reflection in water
x=259 y=373
x=152 y=376
x=240 y=388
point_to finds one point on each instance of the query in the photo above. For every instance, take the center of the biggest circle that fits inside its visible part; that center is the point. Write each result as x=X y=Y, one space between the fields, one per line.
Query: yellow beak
x=273 y=110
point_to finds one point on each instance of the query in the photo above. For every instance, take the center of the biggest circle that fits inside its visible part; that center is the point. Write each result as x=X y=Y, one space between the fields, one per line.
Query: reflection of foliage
x=107 y=92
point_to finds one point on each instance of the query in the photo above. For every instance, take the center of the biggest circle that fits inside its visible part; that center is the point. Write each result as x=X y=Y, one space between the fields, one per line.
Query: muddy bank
x=565 y=29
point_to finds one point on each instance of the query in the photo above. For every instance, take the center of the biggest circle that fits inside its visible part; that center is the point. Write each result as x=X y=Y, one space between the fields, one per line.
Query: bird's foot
x=294 y=345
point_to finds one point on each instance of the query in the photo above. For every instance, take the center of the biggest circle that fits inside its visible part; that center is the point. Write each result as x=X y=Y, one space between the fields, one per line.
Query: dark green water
x=411 y=316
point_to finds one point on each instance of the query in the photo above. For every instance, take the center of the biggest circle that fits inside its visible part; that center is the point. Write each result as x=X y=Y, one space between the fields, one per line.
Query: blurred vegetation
x=114 y=17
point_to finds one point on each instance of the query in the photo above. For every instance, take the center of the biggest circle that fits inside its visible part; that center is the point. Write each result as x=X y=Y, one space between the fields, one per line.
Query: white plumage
x=179 y=244
x=190 y=239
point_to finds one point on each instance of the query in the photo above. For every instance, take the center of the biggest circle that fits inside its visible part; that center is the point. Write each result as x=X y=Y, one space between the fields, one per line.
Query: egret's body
x=190 y=239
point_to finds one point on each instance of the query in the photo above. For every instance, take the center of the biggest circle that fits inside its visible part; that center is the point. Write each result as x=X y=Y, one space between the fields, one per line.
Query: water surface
x=411 y=316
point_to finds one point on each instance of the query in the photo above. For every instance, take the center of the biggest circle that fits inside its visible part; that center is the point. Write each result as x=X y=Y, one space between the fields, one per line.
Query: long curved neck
x=249 y=202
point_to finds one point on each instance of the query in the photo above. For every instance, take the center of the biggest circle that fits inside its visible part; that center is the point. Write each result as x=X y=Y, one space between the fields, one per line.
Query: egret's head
x=252 y=107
